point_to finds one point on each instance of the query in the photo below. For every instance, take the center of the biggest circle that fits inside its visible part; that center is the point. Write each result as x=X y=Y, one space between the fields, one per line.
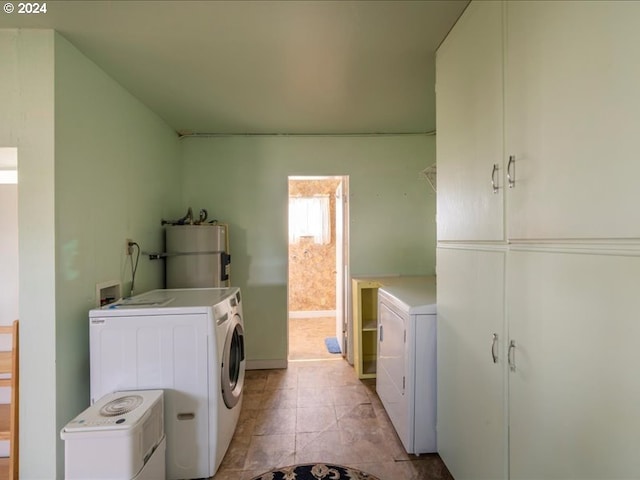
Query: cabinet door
x=469 y=126
x=575 y=393
x=471 y=406
x=572 y=117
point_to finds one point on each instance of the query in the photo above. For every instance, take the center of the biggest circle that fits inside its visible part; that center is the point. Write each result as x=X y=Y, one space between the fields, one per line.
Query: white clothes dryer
x=188 y=342
x=406 y=376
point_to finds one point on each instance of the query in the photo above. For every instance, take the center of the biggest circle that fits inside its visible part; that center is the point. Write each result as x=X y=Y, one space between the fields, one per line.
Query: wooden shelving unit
x=365 y=325
x=9 y=369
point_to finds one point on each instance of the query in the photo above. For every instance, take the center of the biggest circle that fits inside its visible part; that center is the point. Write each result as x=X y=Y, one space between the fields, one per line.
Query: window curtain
x=310 y=217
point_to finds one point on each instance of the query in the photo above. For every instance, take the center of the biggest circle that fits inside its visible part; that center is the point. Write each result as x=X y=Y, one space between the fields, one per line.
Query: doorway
x=317 y=267
x=9 y=254
x=9 y=235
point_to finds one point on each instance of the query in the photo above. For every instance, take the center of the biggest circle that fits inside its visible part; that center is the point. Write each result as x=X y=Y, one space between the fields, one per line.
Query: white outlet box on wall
x=107 y=292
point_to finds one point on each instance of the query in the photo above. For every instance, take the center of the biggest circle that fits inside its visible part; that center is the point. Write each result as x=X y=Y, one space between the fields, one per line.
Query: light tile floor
x=306 y=338
x=319 y=411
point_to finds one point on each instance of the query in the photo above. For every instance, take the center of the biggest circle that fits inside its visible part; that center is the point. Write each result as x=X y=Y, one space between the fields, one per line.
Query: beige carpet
x=306 y=338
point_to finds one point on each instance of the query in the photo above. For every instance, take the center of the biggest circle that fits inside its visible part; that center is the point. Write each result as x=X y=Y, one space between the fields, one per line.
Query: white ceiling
x=318 y=67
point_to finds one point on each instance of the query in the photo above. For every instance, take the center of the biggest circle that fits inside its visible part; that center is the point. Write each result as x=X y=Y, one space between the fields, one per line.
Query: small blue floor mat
x=332 y=345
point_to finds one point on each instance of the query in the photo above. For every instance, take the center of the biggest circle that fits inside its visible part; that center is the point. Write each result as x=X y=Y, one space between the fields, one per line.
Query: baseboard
x=312 y=313
x=266 y=364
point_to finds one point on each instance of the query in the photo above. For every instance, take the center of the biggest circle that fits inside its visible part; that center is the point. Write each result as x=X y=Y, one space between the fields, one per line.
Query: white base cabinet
x=471 y=363
x=574 y=397
x=558 y=395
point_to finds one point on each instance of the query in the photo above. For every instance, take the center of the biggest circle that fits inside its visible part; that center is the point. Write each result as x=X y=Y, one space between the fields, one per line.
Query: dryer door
x=391 y=378
x=233 y=363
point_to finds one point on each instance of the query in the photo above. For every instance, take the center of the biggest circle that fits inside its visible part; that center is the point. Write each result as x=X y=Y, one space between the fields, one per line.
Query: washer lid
x=115 y=411
x=167 y=302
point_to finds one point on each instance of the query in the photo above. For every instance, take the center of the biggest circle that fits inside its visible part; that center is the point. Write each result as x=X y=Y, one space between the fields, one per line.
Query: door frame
x=343 y=283
x=342 y=265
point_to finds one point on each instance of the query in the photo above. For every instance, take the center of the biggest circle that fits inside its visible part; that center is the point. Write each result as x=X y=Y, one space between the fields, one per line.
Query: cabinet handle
x=494 y=181
x=511 y=173
x=381 y=335
x=512 y=355
x=494 y=348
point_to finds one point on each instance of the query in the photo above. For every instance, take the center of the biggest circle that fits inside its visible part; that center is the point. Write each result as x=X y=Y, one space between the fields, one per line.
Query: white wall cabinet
x=471 y=363
x=572 y=116
x=570 y=73
x=469 y=117
x=558 y=275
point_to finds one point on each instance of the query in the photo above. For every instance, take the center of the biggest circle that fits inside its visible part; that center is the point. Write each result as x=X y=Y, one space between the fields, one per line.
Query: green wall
x=27 y=122
x=116 y=170
x=242 y=181
x=95 y=167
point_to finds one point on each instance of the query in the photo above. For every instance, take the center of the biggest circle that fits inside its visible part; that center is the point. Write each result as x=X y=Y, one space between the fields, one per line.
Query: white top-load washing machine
x=188 y=342
x=406 y=369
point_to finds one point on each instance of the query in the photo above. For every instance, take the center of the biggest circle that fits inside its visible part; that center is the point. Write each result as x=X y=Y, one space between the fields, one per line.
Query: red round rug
x=315 y=471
